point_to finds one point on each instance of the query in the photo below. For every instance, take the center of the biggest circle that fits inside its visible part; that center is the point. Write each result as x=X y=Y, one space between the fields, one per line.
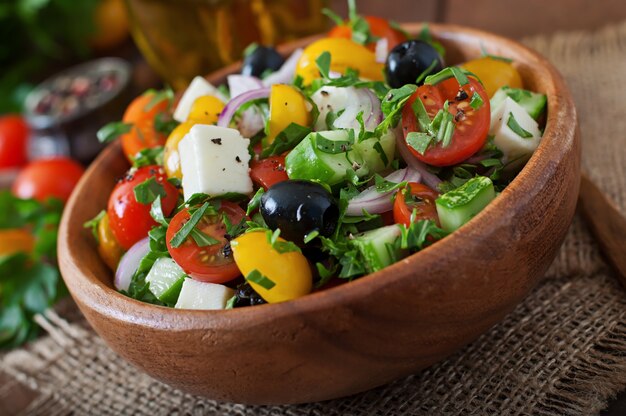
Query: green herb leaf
x=280 y=246
x=333 y=146
x=446 y=73
x=257 y=277
x=147 y=191
x=427 y=37
x=149 y=156
x=250 y=49
x=476 y=102
x=159 y=96
x=323 y=64
x=333 y=16
x=286 y=140
x=164 y=124
x=517 y=129
x=427 y=71
x=184 y=232
x=202 y=239
x=255 y=202
x=94 y=223
x=112 y=131
x=311 y=236
x=419 y=141
x=230 y=303
x=384 y=186
x=381 y=152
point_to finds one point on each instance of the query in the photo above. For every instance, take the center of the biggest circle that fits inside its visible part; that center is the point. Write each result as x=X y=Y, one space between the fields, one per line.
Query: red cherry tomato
x=211 y=263
x=471 y=125
x=13 y=140
x=267 y=172
x=130 y=220
x=141 y=113
x=378 y=26
x=47 y=178
x=418 y=197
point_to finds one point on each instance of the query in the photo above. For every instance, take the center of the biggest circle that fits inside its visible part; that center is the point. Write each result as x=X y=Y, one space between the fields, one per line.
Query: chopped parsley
x=517 y=129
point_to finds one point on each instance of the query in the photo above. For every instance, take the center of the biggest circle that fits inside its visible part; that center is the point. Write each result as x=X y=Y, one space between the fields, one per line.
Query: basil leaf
x=332 y=16
x=323 y=64
x=202 y=239
x=381 y=152
x=517 y=129
x=184 y=232
x=476 y=102
x=112 y=130
x=286 y=140
x=419 y=141
x=255 y=276
x=94 y=223
x=446 y=73
x=149 y=156
x=255 y=202
x=147 y=191
x=384 y=186
x=164 y=124
x=332 y=146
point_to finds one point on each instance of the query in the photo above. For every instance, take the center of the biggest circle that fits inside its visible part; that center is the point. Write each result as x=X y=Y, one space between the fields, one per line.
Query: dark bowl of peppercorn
x=65 y=111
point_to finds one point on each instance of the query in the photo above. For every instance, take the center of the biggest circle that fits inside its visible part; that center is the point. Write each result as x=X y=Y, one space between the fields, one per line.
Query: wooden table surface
x=511 y=18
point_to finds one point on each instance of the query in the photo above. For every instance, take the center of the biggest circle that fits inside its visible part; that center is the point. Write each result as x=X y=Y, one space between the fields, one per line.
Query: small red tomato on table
x=48 y=178
x=13 y=141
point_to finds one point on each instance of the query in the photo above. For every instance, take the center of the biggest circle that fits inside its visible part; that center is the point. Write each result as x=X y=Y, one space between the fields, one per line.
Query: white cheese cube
x=200 y=295
x=214 y=160
x=199 y=87
x=512 y=144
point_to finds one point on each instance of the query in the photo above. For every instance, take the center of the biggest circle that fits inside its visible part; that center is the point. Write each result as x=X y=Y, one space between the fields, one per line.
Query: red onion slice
x=233 y=105
x=240 y=84
x=130 y=263
x=286 y=72
x=428 y=178
x=375 y=202
x=365 y=102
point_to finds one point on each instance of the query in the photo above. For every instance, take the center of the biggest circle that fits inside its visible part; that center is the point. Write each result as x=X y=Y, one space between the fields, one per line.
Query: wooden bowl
x=366 y=333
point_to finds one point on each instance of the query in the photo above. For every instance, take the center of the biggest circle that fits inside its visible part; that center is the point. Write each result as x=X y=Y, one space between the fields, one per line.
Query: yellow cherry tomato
x=108 y=247
x=344 y=54
x=287 y=105
x=16 y=240
x=494 y=73
x=171 y=158
x=289 y=271
x=205 y=110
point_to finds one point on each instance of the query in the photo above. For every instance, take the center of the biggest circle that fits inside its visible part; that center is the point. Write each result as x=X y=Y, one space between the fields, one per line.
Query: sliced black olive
x=260 y=60
x=408 y=60
x=246 y=296
x=299 y=207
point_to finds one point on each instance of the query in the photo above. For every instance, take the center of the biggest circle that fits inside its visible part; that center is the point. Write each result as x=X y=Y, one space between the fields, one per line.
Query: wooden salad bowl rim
x=558 y=152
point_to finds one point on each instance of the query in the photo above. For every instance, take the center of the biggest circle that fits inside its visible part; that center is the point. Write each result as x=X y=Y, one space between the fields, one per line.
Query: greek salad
x=304 y=173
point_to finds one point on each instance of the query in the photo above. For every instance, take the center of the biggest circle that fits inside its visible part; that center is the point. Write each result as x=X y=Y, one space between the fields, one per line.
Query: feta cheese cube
x=513 y=145
x=199 y=87
x=201 y=295
x=214 y=160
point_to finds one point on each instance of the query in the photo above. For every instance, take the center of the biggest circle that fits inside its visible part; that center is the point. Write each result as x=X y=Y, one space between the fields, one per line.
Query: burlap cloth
x=561 y=352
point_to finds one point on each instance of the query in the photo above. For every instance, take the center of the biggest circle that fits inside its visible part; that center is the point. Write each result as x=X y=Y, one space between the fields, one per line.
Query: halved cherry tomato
x=15 y=240
x=418 y=197
x=141 y=113
x=379 y=27
x=471 y=125
x=494 y=73
x=130 y=220
x=267 y=172
x=13 y=141
x=287 y=105
x=213 y=263
x=108 y=247
x=45 y=178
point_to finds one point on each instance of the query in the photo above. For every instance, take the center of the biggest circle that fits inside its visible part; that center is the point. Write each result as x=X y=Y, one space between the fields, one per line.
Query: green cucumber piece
x=166 y=279
x=307 y=161
x=534 y=103
x=458 y=206
x=378 y=247
x=372 y=157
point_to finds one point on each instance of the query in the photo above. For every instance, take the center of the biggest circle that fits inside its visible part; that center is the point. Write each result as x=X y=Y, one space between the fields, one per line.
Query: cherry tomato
x=289 y=271
x=46 y=178
x=141 y=113
x=130 y=220
x=108 y=247
x=418 y=197
x=213 y=263
x=15 y=240
x=494 y=73
x=287 y=105
x=344 y=54
x=267 y=172
x=13 y=141
x=471 y=125
x=379 y=27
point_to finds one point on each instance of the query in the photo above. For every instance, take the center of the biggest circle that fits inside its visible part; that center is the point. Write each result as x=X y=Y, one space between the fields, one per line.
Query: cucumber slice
x=534 y=103
x=201 y=295
x=166 y=279
x=372 y=157
x=458 y=206
x=378 y=248
x=307 y=161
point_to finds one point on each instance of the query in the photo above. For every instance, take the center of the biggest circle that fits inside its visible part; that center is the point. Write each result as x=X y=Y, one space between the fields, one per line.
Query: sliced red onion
x=130 y=263
x=286 y=72
x=382 y=50
x=240 y=84
x=428 y=178
x=375 y=202
x=233 y=105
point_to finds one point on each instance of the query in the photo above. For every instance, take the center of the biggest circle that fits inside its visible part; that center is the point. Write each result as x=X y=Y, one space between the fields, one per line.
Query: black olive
x=408 y=60
x=298 y=208
x=260 y=60
x=246 y=296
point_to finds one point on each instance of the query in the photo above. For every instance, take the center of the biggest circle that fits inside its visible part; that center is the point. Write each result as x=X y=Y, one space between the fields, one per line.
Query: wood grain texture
x=360 y=335
x=607 y=224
